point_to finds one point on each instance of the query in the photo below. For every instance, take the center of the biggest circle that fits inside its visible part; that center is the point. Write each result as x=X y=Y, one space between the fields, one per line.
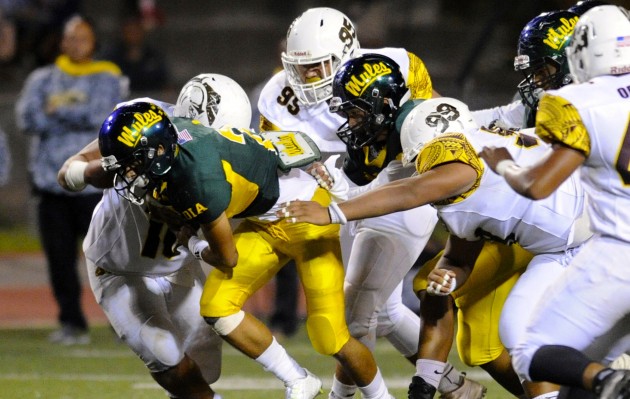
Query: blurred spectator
x=144 y=64
x=5 y=159
x=8 y=43
x=38 y=26
x=62 y=107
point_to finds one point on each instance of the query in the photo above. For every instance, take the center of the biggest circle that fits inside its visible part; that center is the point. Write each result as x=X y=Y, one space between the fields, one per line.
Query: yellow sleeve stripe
x=419 y=81
x=447 y=148
x=558 y=121
x=265 y=125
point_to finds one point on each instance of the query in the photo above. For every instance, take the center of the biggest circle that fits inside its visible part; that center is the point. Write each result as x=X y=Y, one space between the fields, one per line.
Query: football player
x=378 y=252
x=148 y=289
x=210 y=176
x=454 y=180
x=541 y=59
x=585 y=314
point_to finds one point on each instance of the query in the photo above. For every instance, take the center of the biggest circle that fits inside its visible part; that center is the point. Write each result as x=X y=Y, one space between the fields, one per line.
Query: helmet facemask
x=138 y=143
x=321 y=38
x=540 y=75
x=314 y=91
x=541 y=54
x=371 y=119
x=137 y=174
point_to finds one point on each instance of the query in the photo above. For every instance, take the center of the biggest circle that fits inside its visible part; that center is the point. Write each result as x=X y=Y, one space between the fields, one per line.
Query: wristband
x=196 y=246
x=74 y=176
x=336 y=215
x=502 y=166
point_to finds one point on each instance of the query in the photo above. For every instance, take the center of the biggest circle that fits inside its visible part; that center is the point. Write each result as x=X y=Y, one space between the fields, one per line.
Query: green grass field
x=106 y=369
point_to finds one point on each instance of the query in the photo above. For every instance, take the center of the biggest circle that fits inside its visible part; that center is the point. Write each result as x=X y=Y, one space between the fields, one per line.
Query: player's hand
x=494 y=155
x=330 y=178
x=441 y=282
x=319 y=171
x=184 y=234
x=164 y=213
x=304 y=211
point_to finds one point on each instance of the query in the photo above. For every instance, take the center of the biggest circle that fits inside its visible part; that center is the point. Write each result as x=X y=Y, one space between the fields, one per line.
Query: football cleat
x=332 y=395
x=304 y=388
x=420 y=389
x=69 y=335
x=615 y=386
x=467 y=389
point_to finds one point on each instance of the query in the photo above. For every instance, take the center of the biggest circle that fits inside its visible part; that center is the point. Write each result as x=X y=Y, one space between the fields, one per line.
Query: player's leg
x=222 y=301
x=520 y=306
x=150 y=333
x=575 y=312
x=384 y=250
x=479 y=311
x=479 y=302
x=321 y=273
x=201 y=343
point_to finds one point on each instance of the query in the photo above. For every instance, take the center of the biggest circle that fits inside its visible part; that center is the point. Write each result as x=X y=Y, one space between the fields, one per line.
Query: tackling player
x=382 y=249
x=148 y=289
x=210 y=176
x=447 y=183
x=585 y=314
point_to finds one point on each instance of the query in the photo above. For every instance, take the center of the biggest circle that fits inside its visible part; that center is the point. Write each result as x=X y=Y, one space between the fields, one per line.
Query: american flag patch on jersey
x=183 y=136
x=623 y=41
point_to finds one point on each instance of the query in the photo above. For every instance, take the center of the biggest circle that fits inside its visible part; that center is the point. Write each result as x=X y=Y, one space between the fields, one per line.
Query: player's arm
x=84 y=168
x=441 y=182
x=539 y=180
x=218 y=248
x=557 y=122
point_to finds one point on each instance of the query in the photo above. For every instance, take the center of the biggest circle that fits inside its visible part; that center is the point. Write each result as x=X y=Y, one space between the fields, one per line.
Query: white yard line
x=234 y=382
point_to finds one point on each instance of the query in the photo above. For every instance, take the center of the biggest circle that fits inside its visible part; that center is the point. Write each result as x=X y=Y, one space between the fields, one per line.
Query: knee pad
x=225 y=325
x=324 y=337
x=358 y=330
x=401 y=330
x=166 y=351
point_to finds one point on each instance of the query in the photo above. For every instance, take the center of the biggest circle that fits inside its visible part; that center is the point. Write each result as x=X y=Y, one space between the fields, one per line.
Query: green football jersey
x=227 y=170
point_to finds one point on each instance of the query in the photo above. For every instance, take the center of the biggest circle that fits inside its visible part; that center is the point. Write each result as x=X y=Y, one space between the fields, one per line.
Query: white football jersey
x=279 y=106
x=491 y=209
x=603 y=105
x=511 y=115
x=123 y=240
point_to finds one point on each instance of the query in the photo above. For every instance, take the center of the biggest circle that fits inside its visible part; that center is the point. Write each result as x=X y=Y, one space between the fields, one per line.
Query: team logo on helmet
x=363 y=79
x=557 y=37
x=131 y=135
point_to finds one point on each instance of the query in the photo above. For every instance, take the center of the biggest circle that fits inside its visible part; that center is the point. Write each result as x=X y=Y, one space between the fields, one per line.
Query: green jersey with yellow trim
x=226 y=170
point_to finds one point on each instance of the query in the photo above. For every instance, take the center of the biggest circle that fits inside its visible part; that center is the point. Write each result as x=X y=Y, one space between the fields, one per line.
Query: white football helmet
x=214 y=100
x=430 y=118
x=600 y=43
x=319 y=36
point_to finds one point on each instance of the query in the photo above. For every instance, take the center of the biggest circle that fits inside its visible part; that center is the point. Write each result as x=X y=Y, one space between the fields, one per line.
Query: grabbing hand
x=321 y=175
x=330 y=178
x=304 y=211
x=494 y=155
x=441 y=282
x=184 y=234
